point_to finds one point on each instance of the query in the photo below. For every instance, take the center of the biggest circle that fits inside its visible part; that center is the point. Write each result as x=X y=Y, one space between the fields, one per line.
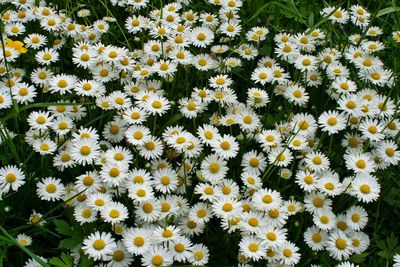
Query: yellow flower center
x=114 y=172
x=114 y=213
x=253 y=247
x=227 y=207
x=365 y=189
x=85 y=150
x=99 y=244
x=11 y=178
x=341 y=244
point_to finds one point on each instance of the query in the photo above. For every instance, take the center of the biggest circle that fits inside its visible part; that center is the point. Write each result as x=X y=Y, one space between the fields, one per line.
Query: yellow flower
x=17 y=45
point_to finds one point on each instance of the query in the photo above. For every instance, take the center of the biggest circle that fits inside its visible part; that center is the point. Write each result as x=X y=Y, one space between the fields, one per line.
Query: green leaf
x=85 y=261
x=172 y=120
x=70 y=243
x=359 y=258
x=63 y=227
x=387 y=10
x=64 y=261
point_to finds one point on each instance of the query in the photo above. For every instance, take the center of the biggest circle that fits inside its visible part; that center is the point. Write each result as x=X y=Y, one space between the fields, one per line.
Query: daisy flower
x=24 y=93
x=252 y=247
x=50 y=189
x=44 y=146
x=296 y=94
x=157 y=256
x=156 y=105
x=332 y=122
x=114 y=174
x=206 y=191
x=62 y=83
x=316 y=238
x=372 y=130
x=35 y=40
x=97 y=201
x=253 y=162
x=11 y=177
x=359 y=241
x=201 y=36
x=114 y=212
x=225 y=146
x=289 y=253
x=365 y=187
x=148 y=211
x=230 y=28
x=220 y=82
x=120 y=256
x=181 y=249
x=84 y=214
x=287 y=51
x=359 y=162
x=200 y=255
x=98 y=245
x=137 y=240
x=339 y=246
x=40 y=120
x=204 y=62
x=24 y=240
x=165 y=68
x=266 y=199
x=280 y=156
x=257 y=97
x=262 y=75
x=388 y=151
x=317 y=161
x=46 y=56
x=165 y=180
x=214 y=168
x=151 y=149
x=324 y=219
x=226 y=207
x=114 y=130
x=357 y=218
x=329 y=183
x=85 y=151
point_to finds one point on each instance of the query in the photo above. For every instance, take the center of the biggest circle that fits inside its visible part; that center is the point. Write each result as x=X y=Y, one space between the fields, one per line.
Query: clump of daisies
x=158 y=188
